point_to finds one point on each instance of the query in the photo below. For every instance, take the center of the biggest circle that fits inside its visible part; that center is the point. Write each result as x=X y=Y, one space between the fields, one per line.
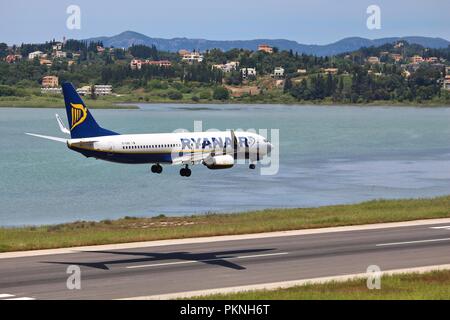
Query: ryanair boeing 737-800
x=216 y=150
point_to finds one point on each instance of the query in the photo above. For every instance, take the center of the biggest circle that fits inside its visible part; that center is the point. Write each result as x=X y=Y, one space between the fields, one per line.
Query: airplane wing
x=191 y=158
x=47 y=137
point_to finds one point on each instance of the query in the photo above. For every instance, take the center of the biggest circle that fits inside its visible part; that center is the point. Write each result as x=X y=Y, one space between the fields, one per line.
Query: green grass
x=51 y=101
x=413 y=286
x=159 y=96
x=131 y=229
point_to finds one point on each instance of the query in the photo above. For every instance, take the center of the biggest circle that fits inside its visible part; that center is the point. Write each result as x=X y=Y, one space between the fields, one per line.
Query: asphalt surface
x=176 y=268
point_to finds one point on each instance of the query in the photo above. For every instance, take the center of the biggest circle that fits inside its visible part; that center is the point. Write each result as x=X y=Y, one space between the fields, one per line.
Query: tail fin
x=81 y=123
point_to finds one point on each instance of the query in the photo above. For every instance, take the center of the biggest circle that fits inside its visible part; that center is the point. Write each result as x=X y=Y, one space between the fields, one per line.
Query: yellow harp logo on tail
x=79 y=114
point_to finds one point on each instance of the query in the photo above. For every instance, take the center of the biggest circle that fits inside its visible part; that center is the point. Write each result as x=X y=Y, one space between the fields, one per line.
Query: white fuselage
x=168 y=147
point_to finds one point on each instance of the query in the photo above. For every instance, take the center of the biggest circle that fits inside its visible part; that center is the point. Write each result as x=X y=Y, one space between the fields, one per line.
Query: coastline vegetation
x=131 y=229
x=384 y=75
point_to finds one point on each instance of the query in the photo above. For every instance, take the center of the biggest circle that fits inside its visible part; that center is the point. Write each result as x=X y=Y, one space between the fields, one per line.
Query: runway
x=149 y=270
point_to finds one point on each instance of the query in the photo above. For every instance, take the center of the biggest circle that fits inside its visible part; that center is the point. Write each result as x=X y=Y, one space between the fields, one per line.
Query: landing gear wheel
x=185 y=172
x=252 y=166
x=156 y=168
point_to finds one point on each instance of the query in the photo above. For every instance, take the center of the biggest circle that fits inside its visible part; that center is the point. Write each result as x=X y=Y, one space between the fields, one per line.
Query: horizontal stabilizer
x=47 y=137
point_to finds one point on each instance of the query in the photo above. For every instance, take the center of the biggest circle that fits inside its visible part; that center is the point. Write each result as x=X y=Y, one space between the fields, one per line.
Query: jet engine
x=219 y=162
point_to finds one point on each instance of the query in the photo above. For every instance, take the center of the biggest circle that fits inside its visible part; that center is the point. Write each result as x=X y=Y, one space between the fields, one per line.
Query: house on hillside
x=193 y=57
x=446 y=83
x=35 y=54
x=265 y=48
x=50 y=81
x=373 y=60
x=278 y=72
x=416 y=59
x=331 y=71
x=248 y=72
x=227 y=67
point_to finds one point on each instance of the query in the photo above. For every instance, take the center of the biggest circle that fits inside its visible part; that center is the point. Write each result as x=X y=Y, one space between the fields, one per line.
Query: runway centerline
x=411 y=242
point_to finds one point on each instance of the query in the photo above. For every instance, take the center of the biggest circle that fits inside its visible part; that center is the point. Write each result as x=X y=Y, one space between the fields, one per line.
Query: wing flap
x=191 y=158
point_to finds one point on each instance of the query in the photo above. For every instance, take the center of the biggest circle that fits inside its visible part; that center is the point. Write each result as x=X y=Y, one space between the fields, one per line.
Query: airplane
x=215 y=150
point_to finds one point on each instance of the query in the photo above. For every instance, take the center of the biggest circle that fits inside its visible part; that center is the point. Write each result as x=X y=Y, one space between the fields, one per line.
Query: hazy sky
x=316 y=21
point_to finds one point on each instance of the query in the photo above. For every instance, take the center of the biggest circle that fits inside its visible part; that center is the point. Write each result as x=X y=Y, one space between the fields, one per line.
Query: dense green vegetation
x=131 y=229
x=414 y=286
x=354 y=80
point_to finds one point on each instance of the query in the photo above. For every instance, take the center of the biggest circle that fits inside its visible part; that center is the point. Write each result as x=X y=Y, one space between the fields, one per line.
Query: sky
x=310 y=22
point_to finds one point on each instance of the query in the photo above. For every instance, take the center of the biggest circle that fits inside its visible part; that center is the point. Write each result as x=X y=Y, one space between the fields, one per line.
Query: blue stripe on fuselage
x=126 y=157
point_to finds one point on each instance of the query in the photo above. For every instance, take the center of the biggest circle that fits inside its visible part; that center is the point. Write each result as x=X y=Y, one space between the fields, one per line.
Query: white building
x=193 y=57
x=136 y=64
x=278 y=72
x=248 y=72
x=57 y=46
x=84 y=91
x=103 y=89
x=373 y=60
x=60 y=54
x=227 y=67
x=35 y=54
x=446 y=83
x=51 y=90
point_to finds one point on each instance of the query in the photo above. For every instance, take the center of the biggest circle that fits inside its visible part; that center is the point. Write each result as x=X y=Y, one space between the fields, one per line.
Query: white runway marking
x=7 y=296
x=443 y=227
x=207 y=260
x=263 y=255
x=411 y=242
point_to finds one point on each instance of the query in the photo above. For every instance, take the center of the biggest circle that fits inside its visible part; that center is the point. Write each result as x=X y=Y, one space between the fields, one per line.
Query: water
x=329 y=155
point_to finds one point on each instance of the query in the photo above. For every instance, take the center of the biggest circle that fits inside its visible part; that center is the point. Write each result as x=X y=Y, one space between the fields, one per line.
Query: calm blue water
x=328 y=155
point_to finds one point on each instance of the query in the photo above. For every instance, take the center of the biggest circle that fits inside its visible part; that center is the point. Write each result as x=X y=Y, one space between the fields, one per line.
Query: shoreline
x=131 y=101
x=132 y=104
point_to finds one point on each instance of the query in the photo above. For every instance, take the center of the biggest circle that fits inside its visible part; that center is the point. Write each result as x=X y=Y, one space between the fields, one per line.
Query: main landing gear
x=252 y=166
x=156 y=168
x=185 y=172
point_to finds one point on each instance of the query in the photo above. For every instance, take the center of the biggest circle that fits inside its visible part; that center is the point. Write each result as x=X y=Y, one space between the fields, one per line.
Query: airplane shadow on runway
x=210 y=258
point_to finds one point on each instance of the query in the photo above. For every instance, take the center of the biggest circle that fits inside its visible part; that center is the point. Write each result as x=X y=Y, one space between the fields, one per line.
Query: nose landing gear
x=252 y=166
x=156 y=168
x=185 y=172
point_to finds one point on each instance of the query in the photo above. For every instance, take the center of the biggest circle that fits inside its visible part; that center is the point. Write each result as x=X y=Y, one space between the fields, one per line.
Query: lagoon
x=328 y=155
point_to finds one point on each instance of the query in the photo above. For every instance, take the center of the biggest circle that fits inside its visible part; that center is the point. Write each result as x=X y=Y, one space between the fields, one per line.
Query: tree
x=287 y=85
x=175 y=95
x=3 y=50
x=93 y=94
x=221 y=93
x=144 y=52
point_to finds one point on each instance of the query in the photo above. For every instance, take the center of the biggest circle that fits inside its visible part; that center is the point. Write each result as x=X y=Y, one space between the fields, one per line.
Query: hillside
x=128 y=38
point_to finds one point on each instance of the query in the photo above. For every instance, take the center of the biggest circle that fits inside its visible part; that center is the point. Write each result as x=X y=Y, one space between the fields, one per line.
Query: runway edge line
x=286 y=284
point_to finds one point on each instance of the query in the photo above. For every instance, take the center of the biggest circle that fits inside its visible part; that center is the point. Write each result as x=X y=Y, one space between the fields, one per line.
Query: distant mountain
x=128 y=38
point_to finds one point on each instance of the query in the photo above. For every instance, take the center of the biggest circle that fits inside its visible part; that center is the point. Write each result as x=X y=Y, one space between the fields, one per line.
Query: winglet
x=61 y=125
